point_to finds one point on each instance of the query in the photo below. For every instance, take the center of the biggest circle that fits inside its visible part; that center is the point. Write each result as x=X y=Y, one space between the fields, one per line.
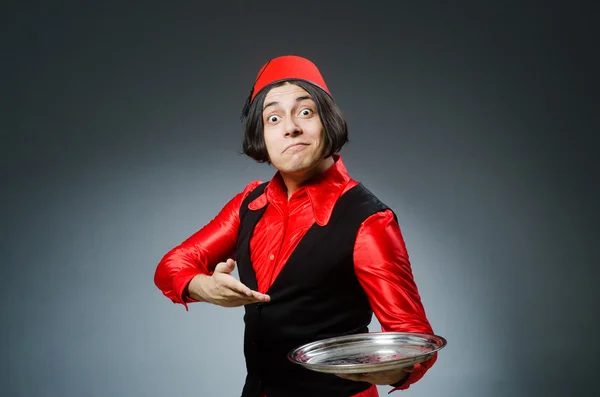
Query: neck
x=293 y=181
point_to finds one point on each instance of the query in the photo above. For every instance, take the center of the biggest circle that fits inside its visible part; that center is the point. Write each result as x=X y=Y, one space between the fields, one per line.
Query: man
x=317 y=253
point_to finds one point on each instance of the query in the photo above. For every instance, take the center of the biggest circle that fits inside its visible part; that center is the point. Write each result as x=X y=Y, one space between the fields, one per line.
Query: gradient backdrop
x=120 y=138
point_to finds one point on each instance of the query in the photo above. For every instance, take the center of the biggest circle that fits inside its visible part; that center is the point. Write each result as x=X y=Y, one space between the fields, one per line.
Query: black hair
x=335 y=129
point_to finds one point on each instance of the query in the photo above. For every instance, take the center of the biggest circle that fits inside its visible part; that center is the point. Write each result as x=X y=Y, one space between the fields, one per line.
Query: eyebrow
x=299 y=99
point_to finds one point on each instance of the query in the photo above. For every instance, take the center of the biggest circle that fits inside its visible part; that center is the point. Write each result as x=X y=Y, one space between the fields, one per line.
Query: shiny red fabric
x=380 y=256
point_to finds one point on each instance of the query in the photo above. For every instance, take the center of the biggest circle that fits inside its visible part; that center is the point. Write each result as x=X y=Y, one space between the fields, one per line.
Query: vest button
x=271 y=257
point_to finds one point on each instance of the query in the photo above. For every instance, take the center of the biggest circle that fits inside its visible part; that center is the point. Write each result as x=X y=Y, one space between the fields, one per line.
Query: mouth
x=295 y=147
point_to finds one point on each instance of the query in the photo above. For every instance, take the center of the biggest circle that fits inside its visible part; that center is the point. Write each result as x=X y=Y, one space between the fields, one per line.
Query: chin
x=294 y=170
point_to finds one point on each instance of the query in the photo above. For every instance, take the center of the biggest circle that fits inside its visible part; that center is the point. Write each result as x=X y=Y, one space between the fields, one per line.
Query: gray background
x=120 y=138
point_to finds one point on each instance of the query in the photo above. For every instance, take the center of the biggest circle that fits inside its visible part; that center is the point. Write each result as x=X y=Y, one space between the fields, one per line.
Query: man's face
x=293 y=129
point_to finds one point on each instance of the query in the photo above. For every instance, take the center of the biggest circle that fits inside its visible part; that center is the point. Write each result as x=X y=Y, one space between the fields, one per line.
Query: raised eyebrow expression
x=298 y=99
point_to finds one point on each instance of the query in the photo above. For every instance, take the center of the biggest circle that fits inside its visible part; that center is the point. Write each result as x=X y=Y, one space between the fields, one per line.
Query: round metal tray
x=368 y=352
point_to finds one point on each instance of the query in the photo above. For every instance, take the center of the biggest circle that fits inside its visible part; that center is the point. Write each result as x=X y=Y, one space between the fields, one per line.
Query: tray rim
x=440 y=342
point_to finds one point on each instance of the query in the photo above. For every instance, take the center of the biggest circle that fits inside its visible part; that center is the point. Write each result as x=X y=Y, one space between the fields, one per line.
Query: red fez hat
x=286 y=68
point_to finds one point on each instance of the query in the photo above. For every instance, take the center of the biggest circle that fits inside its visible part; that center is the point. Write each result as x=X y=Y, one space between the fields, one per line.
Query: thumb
x=225 y=267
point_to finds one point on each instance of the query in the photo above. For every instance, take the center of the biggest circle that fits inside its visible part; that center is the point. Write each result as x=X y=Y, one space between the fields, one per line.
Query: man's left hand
x=389 y=377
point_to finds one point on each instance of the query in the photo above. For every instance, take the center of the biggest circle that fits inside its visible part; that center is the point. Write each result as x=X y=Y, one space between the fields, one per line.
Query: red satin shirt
x=380 y=258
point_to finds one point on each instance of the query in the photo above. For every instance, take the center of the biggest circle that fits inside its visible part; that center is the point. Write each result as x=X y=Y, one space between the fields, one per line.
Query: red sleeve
x=384 y=271
x=201 y=252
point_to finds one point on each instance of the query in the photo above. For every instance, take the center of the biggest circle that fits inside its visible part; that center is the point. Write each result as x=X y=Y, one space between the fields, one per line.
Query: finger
x=234 y=298
x=235 y=303
x=225 y=267
x=261 y=297
x=257 y=297
x=354 y=377
x=237 y=286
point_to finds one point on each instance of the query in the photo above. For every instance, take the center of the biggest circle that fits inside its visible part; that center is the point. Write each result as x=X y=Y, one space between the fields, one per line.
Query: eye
x=306 y=112
x=273 y=119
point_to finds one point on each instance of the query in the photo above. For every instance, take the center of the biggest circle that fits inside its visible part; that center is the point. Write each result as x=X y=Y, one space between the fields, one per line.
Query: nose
x=291 y=128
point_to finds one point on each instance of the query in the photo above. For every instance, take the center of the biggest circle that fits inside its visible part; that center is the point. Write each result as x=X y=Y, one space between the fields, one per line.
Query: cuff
x=415 y=375
x=180 y=283
x=412 y=377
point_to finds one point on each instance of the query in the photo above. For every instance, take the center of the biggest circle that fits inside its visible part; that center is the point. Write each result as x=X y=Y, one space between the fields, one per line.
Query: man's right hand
x=223 y=289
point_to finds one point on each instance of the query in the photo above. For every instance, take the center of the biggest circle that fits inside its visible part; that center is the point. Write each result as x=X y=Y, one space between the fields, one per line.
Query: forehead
x=287 y=91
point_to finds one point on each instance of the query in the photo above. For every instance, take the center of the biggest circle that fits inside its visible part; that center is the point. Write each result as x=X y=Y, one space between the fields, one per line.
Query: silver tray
x=369 y=352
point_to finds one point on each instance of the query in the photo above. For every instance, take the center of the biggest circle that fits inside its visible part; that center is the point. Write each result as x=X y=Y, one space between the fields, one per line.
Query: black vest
x=315 y=296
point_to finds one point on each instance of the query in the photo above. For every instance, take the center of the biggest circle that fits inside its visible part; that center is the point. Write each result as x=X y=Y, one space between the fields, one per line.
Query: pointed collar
x=323 y=190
